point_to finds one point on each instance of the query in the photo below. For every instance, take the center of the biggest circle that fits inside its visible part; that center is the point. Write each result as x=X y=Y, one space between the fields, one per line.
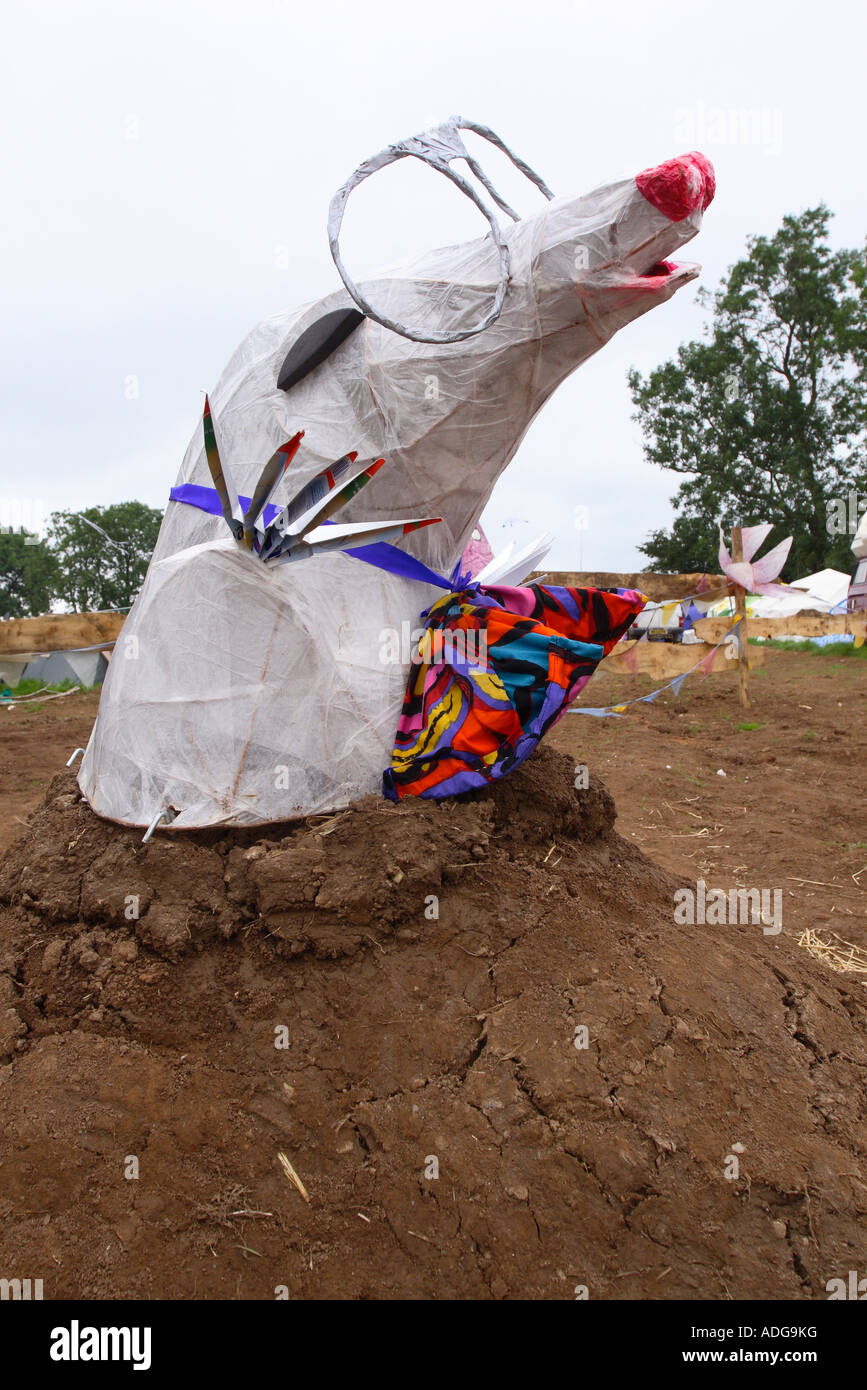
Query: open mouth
x=663 y=277
x=660 y=270
x=651 y=278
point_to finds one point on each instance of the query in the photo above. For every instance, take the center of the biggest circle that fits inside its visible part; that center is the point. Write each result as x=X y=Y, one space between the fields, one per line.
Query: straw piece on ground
x=837 y=954
x=293 y=1176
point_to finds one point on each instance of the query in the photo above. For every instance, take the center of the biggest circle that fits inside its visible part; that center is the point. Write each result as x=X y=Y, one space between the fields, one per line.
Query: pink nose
x=679 y=186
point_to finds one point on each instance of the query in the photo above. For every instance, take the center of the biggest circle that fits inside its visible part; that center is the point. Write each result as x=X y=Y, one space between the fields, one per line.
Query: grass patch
x=847 y=650
x=29 y=687
x=748 y=728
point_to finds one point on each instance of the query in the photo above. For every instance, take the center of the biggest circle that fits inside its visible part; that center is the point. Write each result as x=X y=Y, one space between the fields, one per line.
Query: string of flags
x=704 y=664
x=754 y=576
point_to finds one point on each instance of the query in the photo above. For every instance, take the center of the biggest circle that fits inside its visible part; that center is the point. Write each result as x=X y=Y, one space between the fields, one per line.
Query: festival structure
x=328 y=496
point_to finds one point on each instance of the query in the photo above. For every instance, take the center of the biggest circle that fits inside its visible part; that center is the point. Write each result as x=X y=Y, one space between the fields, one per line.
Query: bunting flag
x=496 y=667
x=630 y=658
x=705 y=665
x=707 y=662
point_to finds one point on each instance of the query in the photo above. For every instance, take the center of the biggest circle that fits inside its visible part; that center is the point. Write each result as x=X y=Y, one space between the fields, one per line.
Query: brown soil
x=411 y=1038
x=36 y=740
x=790 y=812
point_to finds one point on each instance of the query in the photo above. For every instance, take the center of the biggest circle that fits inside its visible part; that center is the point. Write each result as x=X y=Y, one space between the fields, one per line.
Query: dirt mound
x=396 y=998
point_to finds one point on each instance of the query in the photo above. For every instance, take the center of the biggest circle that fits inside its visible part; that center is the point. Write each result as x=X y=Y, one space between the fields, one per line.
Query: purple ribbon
x=207 y=500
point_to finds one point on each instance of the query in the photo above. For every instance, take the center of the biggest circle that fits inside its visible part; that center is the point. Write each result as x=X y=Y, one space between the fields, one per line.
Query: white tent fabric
x=87 y=666
x=826 y=588
x=859 y=544
x=12 y=669
x=822 y=592
x=244 y=694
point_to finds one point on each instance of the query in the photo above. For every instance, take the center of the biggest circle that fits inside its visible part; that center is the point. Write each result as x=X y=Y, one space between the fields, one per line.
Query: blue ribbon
x=395 y=561
x=207 y=500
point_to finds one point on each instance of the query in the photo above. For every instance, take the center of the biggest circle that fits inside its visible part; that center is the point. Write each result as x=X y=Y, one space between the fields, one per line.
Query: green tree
x=767 y=417
x=103 y=553
x=28 y=572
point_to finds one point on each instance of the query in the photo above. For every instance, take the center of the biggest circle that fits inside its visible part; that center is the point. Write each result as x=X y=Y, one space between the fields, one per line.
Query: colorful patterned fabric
x=496 y=667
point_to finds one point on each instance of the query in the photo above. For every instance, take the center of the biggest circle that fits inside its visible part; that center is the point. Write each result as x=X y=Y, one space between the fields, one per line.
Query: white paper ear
x=438 y=148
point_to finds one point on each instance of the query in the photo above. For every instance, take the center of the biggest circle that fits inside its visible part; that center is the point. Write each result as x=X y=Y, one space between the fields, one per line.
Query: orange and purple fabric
x=496 y=667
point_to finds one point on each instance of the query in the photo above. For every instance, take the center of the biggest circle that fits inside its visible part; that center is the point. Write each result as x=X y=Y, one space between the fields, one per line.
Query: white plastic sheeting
x=239 y=694
x=822 y=592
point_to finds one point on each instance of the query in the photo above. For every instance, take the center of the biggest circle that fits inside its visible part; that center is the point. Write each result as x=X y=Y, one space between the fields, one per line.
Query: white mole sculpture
x=244 y=691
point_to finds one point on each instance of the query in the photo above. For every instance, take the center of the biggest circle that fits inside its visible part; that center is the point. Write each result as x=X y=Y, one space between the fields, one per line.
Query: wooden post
x=741 y=610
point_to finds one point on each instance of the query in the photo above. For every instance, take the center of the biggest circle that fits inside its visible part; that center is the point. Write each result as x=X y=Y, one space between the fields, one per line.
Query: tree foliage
x=766 y=419
x=28 y=572
x=102 y=553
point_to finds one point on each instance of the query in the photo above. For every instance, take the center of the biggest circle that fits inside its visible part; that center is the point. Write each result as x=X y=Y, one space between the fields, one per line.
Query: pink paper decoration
x=756 y=576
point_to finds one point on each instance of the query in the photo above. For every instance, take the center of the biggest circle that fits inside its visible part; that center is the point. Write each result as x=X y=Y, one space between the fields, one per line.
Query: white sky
x=166 y=168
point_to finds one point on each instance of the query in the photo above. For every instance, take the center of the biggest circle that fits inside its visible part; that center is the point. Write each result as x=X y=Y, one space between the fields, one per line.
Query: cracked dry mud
x=412 y=1038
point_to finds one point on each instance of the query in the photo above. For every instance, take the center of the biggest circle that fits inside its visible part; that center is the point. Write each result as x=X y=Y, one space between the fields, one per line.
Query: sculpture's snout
x=680 y=186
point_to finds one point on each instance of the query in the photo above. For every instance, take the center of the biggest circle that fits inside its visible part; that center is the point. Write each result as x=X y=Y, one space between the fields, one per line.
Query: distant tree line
x=93 y=559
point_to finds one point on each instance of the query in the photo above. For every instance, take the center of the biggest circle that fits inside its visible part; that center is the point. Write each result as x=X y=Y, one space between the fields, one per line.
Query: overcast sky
x=167 y=167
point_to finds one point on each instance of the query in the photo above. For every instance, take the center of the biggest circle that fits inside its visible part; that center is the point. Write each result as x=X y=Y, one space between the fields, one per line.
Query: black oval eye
x=315 y=344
